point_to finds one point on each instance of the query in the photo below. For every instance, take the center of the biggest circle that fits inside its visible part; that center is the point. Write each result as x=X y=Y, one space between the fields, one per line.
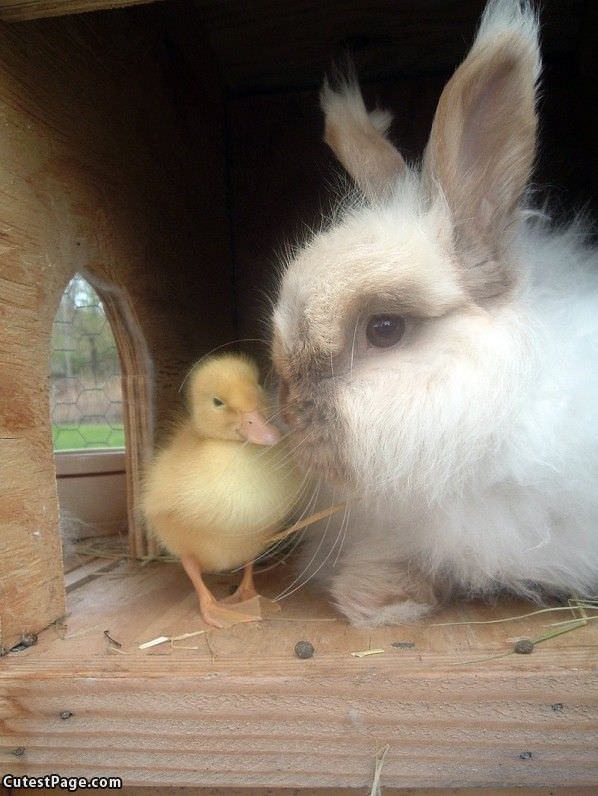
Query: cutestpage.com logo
x=55 y=781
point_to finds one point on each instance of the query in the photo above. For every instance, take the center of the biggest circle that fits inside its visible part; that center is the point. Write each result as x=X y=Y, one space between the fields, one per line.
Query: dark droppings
x=403 y=645
x=558 y=707
x=526 y=755
x=66 y=714
x=524 y=646
x=303 y=649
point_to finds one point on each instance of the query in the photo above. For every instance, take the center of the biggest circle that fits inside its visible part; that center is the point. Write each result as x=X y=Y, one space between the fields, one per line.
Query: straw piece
x=514 y=618
x=154 y=642
x=575 y=623
x=376 y=789
x=115 y=548
x=568 y=621
x=300 y=524
x=116 y=649
x=187 y=635
x=210 y=648
x=365 y=653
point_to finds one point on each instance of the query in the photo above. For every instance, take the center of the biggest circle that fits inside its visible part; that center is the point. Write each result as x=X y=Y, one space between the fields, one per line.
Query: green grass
x=87 y=436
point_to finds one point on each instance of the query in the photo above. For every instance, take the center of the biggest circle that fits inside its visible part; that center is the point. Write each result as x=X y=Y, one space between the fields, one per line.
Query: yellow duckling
x=214 y=495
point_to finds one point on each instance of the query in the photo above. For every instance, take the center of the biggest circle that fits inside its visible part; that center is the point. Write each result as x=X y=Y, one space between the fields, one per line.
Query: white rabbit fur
x=471 y=445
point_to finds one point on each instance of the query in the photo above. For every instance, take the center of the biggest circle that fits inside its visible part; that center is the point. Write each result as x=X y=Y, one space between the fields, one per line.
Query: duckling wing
x=222 y=486
x=239 y=488
x=219 y=501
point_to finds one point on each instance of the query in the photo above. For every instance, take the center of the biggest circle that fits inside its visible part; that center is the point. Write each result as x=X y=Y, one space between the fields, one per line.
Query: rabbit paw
x=372 y=595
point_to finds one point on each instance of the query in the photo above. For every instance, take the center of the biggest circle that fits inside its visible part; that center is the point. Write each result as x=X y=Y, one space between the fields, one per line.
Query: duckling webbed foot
x=207 y=601
x=245 y=590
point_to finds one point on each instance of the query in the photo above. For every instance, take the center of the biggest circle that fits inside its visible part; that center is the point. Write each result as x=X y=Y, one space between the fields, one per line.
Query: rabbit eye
x=217 y=402
x=384 y=331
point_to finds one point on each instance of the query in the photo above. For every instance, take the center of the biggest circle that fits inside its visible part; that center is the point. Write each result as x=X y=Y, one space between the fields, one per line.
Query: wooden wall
x=19 y=10
x=99 y=173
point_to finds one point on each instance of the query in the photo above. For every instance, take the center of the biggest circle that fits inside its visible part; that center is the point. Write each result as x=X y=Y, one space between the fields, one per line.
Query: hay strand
x=154 y=642
x=365 y=653
x=376 y=789
x=300 y=524
x=581 y=605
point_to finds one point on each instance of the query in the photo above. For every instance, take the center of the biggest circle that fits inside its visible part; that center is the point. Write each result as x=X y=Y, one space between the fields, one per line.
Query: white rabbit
x=437 y=353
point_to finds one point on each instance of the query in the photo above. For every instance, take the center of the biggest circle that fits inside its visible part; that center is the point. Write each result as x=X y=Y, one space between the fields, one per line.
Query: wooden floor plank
x=175 y=791
x=244 y=711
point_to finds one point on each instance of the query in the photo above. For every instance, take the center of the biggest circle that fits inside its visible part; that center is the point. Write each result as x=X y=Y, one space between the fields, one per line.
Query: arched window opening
x=86 y=410
x=85 y=374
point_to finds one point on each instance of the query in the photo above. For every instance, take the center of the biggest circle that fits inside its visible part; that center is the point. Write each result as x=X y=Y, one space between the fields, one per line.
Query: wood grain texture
x=353 y=792
x=138 y=408
x=99 y=173
x=191 y=791
x=244 y=711
x=21 y=10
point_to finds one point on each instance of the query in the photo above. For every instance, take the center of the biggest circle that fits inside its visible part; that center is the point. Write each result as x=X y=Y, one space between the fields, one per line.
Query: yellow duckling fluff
x=222 y=485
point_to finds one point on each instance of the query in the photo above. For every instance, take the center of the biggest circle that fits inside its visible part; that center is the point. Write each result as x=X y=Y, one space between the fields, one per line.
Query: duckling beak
x=254 y=428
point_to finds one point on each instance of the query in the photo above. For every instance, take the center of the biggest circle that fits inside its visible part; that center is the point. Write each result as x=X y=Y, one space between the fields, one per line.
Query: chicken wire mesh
x=85 y=377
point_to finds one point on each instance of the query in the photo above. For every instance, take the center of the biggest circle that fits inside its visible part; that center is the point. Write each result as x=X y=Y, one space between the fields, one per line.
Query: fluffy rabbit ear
x=482 y=145
x=358 y=138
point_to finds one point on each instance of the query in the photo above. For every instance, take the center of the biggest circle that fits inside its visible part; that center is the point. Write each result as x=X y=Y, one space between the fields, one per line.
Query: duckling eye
x=217 y=402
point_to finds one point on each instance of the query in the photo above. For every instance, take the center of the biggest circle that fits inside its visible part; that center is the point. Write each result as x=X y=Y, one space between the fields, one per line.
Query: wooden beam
x=22 y=10
x=243 y=710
